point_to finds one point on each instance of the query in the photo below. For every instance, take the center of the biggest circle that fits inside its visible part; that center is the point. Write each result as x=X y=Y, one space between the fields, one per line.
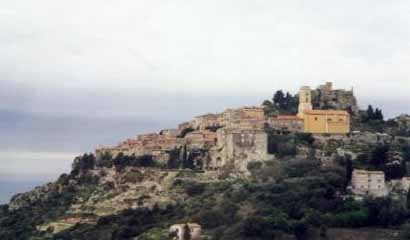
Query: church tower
x=305 y=100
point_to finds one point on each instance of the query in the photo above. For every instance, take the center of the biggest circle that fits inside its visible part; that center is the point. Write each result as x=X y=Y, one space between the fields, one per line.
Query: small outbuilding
x=179 y=231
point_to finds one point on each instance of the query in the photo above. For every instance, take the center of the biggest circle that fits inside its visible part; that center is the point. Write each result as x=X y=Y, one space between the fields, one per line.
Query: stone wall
x=287 y=123
x=325 y=97
x=237 y=147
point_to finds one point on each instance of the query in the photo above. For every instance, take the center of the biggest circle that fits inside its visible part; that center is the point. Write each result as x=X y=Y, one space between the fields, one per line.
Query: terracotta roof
x=286 y=117
x=360 y=171
x=322 y=112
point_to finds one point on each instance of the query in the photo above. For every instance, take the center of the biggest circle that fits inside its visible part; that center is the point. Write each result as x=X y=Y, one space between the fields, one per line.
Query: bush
x=83 y=163
x=121 y=161
x=306 y=138
x=194 y=188
x=185 y=131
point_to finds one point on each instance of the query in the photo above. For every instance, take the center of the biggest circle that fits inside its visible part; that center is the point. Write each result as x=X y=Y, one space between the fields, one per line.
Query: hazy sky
x=74 y=74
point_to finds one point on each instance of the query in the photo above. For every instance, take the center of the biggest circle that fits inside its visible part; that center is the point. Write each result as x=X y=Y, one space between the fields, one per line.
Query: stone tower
x=305 y=100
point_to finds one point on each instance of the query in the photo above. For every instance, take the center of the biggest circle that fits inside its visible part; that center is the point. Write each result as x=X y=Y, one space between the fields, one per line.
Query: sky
x=76 y=74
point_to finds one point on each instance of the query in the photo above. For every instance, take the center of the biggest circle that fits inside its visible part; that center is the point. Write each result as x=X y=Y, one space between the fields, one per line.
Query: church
x=321 y=121
x=315 y=121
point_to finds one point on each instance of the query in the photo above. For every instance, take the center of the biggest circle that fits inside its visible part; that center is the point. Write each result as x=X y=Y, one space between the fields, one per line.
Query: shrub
x=185 y=131
x=305 y=138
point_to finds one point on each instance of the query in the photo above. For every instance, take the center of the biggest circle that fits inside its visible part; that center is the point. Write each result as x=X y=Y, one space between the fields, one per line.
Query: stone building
x=400 y=185
x=369 y=183
x=201 y=139
x=231 y=116
x=326 y=121
x=315 y=121
x=206 y=121
x=325 y=97
x=179 y=231
x=238 y=147
x=287 y=123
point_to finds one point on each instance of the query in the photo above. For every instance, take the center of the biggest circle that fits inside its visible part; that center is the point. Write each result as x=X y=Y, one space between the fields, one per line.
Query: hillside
x=239 y=174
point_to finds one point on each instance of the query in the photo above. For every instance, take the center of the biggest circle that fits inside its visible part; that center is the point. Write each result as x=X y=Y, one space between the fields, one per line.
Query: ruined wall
x=325 y=97
x=237 y=147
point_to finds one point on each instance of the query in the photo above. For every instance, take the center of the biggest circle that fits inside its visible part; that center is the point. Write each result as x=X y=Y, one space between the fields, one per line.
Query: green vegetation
x=285 y=145
x=281 y=103
x=213 y=128
x=121 y=161
x=184 y=158
x=185 y=131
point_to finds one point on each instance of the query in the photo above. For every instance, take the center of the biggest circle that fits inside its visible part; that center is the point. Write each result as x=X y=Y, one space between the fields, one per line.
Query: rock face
x=325 y=97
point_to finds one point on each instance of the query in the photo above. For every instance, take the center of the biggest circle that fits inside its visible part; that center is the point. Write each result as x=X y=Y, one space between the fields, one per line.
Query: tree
x=379 y=156
x=278 y=98
x=370 y=113
x=349 y=168
x=83 y=163
x=408 y=199
x=300 y=230
x=185 y=131
x=174 y=158
x=104 y=160
x=187 y=233
x=378 y=115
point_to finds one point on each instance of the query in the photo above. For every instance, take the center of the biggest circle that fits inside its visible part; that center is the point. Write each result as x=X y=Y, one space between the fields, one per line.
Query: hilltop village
x=238 y=135
x=310 y=165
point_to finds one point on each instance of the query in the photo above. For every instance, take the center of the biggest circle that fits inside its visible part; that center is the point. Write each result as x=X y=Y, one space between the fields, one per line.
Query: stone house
x=287 y=123
x=369 y=183
x=201 y=139
x=179 y=230
x=400 y=185
x=238 y=147
x=208 y=120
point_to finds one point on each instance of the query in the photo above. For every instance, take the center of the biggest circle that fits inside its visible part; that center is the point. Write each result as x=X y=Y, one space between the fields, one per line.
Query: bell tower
x=305 y=100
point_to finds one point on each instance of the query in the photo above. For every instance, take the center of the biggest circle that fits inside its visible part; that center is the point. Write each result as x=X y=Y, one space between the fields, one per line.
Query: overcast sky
x=74 y=74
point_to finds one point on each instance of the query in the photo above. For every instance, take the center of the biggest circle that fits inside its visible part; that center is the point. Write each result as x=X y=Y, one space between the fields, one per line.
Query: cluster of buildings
x=235 y=135
x=228 y=136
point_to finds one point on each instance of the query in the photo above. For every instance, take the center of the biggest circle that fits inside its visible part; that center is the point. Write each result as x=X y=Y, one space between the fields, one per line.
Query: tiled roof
x=286 y=117
x=323 y=112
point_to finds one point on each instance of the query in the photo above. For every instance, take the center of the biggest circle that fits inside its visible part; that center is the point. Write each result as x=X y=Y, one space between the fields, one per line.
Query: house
x=179 y=231
x=369 y=183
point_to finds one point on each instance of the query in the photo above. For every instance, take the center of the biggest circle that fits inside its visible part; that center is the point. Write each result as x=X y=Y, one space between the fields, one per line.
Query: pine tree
x=349 y=169
x=278 y=98
x=378 y=115
x=187 y=233
x=370 y=113
x=408 y=199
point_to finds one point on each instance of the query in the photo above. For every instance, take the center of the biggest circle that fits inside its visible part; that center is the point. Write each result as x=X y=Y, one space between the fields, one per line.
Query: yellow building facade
x=326 y=121
x=321 y=121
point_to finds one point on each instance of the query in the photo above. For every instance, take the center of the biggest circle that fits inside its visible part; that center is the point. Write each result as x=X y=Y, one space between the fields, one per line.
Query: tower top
x=305 y=88
x=305 y=100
